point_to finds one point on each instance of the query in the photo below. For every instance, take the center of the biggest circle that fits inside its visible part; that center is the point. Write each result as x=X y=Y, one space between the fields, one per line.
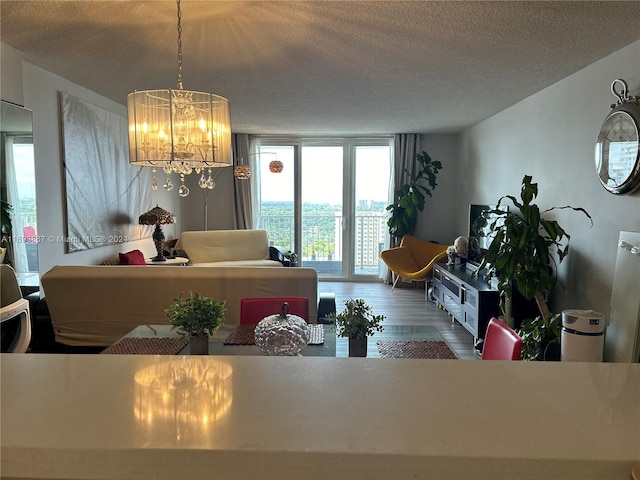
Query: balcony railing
x=322 y=242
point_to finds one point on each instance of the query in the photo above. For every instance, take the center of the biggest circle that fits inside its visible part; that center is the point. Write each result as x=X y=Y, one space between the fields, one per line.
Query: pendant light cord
x=179 y=46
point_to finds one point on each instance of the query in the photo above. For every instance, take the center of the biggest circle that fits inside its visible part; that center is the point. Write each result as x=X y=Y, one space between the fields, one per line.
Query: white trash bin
x=582 y=336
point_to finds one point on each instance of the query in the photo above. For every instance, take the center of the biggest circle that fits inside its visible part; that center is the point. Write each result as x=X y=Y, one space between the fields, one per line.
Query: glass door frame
x=349 y=145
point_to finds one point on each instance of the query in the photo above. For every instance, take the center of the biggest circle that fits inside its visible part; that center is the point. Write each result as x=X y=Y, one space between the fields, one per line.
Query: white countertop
x=104 y=416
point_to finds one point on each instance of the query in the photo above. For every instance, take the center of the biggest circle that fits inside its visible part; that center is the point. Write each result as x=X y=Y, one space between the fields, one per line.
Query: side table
x=170 y=262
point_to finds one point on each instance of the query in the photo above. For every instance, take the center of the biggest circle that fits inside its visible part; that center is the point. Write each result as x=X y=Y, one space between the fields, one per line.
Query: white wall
x=551 y=136
x=41 y=96
x=438 y=220
x=11 y=74
x=220 y=205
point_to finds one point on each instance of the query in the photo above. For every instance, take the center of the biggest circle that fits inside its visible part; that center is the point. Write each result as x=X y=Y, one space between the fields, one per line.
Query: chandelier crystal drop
x=179 y=130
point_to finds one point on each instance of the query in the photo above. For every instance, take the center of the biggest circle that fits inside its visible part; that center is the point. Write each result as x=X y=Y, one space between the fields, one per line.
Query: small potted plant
x=196 y=316
x=357 y=322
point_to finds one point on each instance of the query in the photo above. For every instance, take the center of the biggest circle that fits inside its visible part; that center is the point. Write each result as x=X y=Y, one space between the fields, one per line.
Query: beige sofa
x=227 y=248
x=97 y=305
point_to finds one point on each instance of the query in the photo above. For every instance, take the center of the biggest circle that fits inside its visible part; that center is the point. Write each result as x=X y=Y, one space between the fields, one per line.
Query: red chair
x=501 y=342
x=252 y=310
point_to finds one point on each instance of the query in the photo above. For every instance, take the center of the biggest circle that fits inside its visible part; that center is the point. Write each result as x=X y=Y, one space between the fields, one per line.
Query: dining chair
x=252 y=310
x=15 y=317
x=501 y=342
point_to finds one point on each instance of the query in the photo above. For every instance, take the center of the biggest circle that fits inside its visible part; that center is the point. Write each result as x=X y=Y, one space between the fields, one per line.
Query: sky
x=25 y=174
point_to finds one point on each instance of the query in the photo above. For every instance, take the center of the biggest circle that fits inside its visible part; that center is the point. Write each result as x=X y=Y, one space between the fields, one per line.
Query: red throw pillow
x=134 y=257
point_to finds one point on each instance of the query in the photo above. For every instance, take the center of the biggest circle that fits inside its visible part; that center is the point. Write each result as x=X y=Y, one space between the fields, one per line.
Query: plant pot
x=551 y=353
x=358 y=347
x=199 y=345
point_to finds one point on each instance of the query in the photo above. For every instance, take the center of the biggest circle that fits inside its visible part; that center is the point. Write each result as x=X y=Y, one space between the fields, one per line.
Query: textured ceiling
x=314 y=68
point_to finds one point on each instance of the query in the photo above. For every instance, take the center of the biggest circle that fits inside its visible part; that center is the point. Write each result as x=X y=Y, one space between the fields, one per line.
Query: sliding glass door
x=322 y=208
x=328 y=203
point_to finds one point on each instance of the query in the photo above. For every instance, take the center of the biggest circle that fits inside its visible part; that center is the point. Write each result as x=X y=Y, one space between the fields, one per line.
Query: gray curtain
x=405 y=148
x=242 y=188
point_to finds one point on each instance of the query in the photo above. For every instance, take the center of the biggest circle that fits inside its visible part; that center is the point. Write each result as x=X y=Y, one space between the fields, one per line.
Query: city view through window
x=343 y=193
x=25 y=208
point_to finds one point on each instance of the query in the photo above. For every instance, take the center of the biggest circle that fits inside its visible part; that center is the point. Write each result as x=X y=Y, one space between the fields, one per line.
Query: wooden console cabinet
x=467 y=298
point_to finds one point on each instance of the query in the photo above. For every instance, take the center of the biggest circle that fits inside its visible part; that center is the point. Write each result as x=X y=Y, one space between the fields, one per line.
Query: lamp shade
x=276 y=166
x=156 y=216
x=242 y=172
x=178 y=130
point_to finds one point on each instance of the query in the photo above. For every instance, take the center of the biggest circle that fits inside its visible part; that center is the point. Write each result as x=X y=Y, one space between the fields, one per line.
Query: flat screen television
x=479 y=239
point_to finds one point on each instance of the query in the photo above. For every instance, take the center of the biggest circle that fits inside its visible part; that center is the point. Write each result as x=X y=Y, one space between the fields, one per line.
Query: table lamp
x=157 y=216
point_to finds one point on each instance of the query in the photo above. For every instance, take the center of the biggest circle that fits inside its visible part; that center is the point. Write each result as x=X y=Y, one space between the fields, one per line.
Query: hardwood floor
x=404 y=307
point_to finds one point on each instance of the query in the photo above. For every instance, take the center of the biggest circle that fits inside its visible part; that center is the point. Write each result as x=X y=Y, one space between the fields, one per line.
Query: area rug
x=244 y=335
x=433 y=349
x=147 y=346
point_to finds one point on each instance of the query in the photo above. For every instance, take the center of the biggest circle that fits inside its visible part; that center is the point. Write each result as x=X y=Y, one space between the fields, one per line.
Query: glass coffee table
x=218 y=347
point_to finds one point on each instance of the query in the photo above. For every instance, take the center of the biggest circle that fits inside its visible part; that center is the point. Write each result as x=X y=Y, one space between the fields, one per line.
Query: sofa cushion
x=134 y=257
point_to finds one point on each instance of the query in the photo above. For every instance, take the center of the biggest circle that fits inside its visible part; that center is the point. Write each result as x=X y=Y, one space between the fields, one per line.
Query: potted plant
x=357 y=322
x=409 y=198
x=6 y=230
x=541 y=337
x=520 y=256
x=196 y=316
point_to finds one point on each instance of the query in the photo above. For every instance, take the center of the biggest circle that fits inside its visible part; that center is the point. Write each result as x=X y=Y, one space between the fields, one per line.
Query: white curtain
x=383 y=270
x=254 y=164
x=18 y=247
x=246 y=151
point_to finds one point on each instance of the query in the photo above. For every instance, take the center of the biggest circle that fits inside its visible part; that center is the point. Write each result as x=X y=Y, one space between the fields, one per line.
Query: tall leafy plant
x=6 y=211
x=409 y=198
x=520 y=256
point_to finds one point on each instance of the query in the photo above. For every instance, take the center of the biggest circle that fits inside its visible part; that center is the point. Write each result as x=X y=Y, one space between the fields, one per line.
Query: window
x=328 y=204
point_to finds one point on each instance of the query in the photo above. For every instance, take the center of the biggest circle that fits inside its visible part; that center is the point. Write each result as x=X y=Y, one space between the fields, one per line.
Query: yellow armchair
x=413 y=259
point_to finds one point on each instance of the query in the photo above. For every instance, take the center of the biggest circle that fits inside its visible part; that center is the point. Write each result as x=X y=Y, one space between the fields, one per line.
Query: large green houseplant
x=520 y=255
x=357 y=322
x=197 y=317
x=409 y=198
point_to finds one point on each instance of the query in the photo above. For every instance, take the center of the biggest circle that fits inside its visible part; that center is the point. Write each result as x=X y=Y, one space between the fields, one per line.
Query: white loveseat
x=227 y=248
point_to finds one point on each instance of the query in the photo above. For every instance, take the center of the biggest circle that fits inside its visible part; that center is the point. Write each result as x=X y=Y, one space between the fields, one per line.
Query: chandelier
x=179 y=131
